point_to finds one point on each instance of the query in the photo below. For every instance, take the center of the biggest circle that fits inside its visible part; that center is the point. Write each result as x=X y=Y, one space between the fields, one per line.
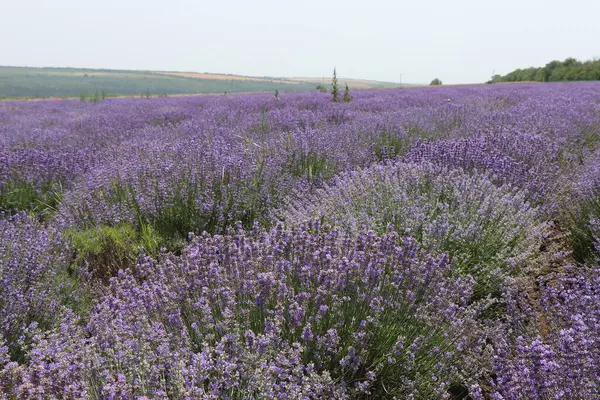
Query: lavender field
x=434 y=243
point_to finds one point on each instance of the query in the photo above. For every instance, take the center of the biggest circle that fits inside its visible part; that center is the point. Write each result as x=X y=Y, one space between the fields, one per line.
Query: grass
x=390 y=146
x=193 y=206
x=106 y=249
x=582 y=234
x=311 y=165
x=19 y=195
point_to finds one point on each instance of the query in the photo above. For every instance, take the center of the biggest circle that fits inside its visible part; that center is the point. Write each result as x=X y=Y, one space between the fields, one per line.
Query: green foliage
x=168 y=121
x=311 y=166
x=435 y=82
x=74 y=291
x=194 y=205
x=96 y=98
x=321 y=88
x=389 y=146
x=263 y=126
x=106 y=249
x=19 y=195
x=185 y=215
x=555 y=71
x=334 y=87
x=582 y=233
x=346 y=98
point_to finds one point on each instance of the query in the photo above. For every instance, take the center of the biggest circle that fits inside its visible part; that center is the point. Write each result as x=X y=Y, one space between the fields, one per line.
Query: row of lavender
x=423 y=243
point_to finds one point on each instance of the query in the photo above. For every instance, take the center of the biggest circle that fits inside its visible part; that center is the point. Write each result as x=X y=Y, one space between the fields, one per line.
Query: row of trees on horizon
x=570 y=69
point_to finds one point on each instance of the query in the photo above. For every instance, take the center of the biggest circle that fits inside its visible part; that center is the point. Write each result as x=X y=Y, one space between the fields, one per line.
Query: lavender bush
x=525 y=161
x=488 y=231
x=306 y=312
x=581 y=209
x=31 y=259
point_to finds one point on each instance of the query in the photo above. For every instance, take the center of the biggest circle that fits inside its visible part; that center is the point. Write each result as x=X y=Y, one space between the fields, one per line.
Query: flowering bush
x=31 y=257
x=485 y=229
x=307 y=311
x=524 y=161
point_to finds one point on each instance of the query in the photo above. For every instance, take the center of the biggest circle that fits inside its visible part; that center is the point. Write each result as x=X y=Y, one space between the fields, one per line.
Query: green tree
x=334 y=87
x=346 y=97
x=435 y=82
x=570 y=62
x=96 y=98
x=540 y=76
x=570 y=69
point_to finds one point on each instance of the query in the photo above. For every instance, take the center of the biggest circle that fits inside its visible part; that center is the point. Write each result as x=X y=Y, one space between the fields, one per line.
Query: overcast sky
x=458 y=41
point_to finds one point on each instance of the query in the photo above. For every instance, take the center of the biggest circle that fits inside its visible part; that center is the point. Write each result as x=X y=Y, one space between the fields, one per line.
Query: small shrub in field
x=360 y=309
x=346 y=98
x=522 y=161
x=583 y=223
x=436 y=82
x=96 y=98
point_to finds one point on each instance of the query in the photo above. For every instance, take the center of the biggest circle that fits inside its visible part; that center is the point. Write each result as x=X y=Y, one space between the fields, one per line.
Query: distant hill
x=353 y=83
x=25 y=82
x=555 y=71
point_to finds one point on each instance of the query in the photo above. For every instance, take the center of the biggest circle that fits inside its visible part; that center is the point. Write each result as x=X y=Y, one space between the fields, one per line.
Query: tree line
x=570 y=69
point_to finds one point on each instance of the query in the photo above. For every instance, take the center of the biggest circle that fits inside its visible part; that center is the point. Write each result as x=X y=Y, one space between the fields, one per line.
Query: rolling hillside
x=24 y=82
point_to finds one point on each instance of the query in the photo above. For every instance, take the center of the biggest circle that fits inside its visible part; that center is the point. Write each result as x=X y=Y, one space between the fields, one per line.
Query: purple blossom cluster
x=562 y=359
x=528 y=162
x=431 y=243
x=31 y=258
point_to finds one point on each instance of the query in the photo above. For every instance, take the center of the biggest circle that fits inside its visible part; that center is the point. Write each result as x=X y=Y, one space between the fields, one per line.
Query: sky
x=458 y=41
